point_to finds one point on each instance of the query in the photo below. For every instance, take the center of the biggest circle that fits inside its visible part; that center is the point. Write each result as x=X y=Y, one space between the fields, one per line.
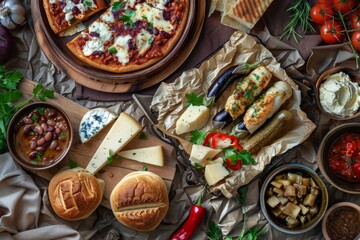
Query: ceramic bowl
x=321 y=200
x=39 y=151
x=354 y=76
x=350 y=216
x=323 y=153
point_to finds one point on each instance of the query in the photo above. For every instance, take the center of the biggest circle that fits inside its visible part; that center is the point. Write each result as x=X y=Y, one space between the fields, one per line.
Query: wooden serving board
x=55 y=49
x=82 y=153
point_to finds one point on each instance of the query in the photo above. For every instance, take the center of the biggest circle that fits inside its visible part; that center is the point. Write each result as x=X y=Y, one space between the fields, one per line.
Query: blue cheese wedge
x=150 y=155
x=93 y=122
x=121 y=133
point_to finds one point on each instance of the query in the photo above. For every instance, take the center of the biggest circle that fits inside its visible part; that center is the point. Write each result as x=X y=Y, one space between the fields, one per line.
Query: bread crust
x=51 y=19
x=119 y=68
x=74 y=194
x=140 y=201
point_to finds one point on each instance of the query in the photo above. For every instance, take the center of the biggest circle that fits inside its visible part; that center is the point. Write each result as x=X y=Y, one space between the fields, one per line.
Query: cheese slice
x=194 y=118
x=151 y=155
x=121 y=133
x=199 y=154
x=93 y=122
x=214 y=173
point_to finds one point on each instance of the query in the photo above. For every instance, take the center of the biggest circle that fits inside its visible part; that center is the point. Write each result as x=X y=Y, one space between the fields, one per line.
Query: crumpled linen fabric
x=25 y=212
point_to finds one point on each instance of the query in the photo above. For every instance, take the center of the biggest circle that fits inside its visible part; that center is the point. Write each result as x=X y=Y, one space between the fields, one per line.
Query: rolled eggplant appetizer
x=264 y=107
x=245 y=93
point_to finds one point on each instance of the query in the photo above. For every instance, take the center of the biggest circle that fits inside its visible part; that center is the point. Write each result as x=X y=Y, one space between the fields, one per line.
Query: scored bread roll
x=75 y=193
x=140 y=200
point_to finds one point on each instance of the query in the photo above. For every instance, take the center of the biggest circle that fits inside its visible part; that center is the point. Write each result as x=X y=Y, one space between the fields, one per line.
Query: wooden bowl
x=322 y=157
x=354 y=76
x=23 y=157
x=304 y=170
x=335 y=210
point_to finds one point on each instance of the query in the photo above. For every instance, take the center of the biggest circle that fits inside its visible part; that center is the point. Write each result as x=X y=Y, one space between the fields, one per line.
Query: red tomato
x=321 y=13
x=330 y=2
x=234 y=165
x=344 y=6
x=355 y=40
x=355 y=19
x=331 y=32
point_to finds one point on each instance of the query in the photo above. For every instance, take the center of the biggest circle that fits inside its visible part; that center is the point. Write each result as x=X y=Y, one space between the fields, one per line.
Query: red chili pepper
x=215 y=137
x=192 y=223
x=234 y=164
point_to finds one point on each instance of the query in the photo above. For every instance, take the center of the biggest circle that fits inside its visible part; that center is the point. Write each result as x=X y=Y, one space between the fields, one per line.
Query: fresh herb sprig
x=300 y=16
x=193 y=99
x=10 y=95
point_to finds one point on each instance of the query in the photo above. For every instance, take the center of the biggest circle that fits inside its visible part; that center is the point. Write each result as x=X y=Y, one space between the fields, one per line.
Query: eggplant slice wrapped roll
x=246 y=91
x=266 y=105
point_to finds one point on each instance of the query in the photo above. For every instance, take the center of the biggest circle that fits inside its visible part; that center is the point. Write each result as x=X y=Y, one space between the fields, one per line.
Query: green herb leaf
x=89 y=4
x=110 y=158
x=150 y=26
x=10 y=80
x=38 y=156
x=228 y=238
x=243 y=155
x=214 y=231
x=144 y=168
x=194 y=99
x=117 y=6
x=10 y=96
x=151 y=40
x=126 y=17
x=72 y=164
x=143 y=136
x=45 y=93
x=198 y=166
x=198 y=136
x=145 y=18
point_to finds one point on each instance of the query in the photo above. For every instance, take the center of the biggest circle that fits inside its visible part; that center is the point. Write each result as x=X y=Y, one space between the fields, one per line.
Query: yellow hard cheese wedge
x=151 y=155
x=194 y=118
x=214 y=173
x=200 y=154
x=121 y=133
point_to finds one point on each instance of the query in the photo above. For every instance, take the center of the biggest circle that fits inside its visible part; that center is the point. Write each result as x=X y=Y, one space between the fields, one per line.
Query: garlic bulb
x=12 y=14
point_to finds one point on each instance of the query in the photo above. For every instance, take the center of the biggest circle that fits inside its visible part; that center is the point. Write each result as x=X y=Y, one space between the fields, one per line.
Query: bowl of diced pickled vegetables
x=293 y=198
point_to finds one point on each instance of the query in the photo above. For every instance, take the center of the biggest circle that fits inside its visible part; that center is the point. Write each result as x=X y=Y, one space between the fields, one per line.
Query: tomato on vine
x=331 y=32
x=355 y=40
x=321 y=13
x=344 y=6
x=355 y=19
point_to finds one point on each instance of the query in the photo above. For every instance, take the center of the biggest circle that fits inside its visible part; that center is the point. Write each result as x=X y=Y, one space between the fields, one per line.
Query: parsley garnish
x=89 y=4
x=143 y=136
x=126 y=17
x=110 y=158
x=34 y=118
x=214 y=231
x=9 y=94
x=198 y=166
x=117 y=6
x=198 y=136
x=151 y=39
x=38 y=156
x=145 y=18
x=194 y=99
x=41 y=110
x=144 y=168
x=243 y=155
x=72 y=164
x=150 y=26
x=112 y=50
x=248 y=93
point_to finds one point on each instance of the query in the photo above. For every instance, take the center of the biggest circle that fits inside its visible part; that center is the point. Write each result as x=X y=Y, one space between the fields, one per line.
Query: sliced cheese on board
x=199 y=154
x=121 y=133
x=151 y=155
x=214 y=173
x=93 y=122
x=194 y=118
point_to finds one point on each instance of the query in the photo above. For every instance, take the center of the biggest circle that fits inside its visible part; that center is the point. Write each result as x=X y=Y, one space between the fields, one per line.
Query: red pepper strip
x=192 y=223
x=222 y=136
x=208 y=138
x=234 y=165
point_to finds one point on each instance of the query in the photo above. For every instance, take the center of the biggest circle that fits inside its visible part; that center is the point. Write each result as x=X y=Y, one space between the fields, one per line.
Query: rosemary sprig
x=300 y=16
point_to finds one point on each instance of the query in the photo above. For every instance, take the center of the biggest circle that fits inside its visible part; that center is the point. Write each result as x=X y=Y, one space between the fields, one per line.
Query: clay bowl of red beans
x=39 y=136
x=339 y=157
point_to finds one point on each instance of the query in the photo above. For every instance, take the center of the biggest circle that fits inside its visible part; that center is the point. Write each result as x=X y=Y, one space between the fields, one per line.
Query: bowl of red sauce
x=339 y=157
x=39 y=135
x=341 y=222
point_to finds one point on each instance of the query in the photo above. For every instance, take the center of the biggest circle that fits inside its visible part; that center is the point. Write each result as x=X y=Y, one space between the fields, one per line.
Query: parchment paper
x=169 y=103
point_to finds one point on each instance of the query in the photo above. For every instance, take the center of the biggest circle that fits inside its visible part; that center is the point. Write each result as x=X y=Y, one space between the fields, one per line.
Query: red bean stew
x=343 y=224
x=41 y=135
x=344 y=157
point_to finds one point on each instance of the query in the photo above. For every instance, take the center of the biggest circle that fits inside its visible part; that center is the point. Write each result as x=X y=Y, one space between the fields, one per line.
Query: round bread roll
x=75 y=193
x=140 y=200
